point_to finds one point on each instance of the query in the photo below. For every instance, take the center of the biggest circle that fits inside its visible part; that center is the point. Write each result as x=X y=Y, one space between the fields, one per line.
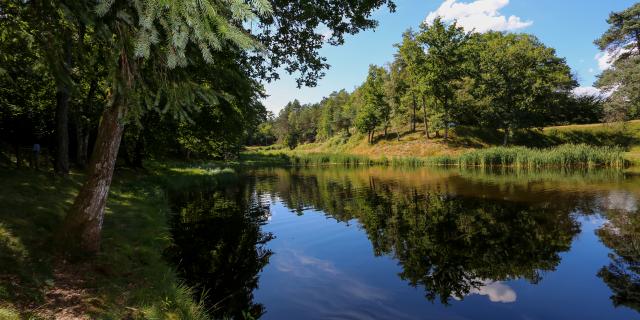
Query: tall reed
x=568 y=155
x=563 y=156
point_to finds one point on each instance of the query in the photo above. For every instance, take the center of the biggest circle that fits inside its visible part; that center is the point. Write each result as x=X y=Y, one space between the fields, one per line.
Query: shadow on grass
x=128 y=279
x=32 y=204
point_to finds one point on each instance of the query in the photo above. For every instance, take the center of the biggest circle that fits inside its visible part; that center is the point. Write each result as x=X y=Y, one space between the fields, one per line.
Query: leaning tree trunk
x=83 y=225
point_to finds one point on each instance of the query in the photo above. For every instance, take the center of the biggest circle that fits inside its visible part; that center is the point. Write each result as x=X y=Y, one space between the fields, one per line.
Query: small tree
x=375 y=110
x=444 y=66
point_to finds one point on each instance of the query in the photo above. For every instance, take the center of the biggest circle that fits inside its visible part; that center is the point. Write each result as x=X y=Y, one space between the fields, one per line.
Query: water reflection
x=454 y=235
x=622 y=234
x=218 y=247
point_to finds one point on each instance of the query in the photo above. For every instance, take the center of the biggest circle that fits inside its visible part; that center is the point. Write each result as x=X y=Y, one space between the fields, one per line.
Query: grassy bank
x=129 y=279
x=563 y=156
x=551 y=146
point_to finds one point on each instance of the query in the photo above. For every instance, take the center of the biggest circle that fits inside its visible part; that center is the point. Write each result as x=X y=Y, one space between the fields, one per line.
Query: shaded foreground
x=129 y=279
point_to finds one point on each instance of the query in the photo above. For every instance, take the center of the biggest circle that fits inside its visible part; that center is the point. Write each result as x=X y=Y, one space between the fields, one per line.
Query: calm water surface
x=381 y=243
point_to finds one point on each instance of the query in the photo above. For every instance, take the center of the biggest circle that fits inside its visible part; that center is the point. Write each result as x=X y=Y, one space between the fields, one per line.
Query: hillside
x=414 y=144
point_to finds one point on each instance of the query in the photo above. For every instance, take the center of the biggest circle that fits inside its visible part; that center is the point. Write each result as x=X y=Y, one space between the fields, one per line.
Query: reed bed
x=563 y=156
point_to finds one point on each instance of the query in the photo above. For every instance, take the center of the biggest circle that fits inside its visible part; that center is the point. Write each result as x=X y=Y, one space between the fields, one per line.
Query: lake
x=428 y=243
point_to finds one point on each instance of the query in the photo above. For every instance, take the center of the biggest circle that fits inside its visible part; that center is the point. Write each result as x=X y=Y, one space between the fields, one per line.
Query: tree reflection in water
x=452 y=236
x=218 y=247
x=622 y=235
x=450 y=245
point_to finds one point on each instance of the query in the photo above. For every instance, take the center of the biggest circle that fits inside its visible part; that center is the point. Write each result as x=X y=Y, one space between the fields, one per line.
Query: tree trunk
x=83 y=225
x=138 y=151
x=16 y=148
x=413 y=117
x=82 y=152
x=426 y=123
x=506 y=136
x=446 y=120
x=62 y=115
x=62 y=131
x=83 y=126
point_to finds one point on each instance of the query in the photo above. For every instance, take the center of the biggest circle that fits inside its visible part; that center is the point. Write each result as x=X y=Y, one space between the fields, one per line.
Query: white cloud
x=496 y=291
x=592 y=91
x=481 y=15
x=586 y=91
x=606 y=58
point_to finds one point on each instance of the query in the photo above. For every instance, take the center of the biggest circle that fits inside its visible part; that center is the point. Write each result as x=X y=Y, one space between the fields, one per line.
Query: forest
x=442 y=76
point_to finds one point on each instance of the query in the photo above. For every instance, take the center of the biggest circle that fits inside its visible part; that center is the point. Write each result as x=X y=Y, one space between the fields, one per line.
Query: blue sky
x=569 y=26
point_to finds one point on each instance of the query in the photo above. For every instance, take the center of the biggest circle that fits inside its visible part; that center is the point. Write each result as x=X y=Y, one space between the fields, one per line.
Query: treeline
x=442 y=77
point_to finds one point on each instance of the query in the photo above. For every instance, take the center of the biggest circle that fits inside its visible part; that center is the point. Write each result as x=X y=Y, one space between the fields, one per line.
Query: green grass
x=563 y=156
x=593 y=145
x=129 y=278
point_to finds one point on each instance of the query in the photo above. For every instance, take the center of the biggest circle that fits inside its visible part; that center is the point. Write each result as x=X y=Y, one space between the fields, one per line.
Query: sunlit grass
x=412 y=147
x=520 y=157
x=568 y=155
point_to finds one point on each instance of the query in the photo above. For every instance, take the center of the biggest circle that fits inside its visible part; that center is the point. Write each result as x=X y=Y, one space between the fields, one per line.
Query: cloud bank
x=479 y=15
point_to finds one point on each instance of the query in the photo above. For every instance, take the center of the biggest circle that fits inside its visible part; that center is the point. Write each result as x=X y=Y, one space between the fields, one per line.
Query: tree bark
x=138 y=151
x=16 y=148
x=83 y=127
x=62 y=115
x=446 y=119
x=62 y=131
x=426 y=123
x=413 y=117
x=506 y=136
x=83 y=225
x=82 y=149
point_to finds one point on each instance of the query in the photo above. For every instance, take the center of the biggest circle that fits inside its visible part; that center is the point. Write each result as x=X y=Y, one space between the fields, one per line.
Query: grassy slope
x=463 y=139
x=129 y=279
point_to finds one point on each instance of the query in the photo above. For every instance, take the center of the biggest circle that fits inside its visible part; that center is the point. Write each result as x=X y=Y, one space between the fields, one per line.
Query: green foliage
x=623 y=32
x=375 y=110
x=443 y=75
x=623 y=80
x=510 y=98
x=444 y=65
x=622 y=40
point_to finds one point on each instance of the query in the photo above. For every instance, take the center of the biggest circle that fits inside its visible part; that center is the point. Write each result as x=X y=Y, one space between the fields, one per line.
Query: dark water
x=380 y=243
